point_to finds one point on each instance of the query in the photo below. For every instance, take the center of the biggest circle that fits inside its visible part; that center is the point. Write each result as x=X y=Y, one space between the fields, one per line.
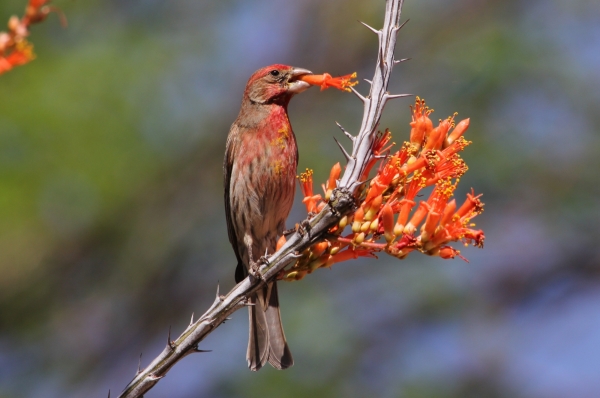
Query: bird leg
x=290 y=231
x=303 y=228
x=263 y=259
x=253 y=266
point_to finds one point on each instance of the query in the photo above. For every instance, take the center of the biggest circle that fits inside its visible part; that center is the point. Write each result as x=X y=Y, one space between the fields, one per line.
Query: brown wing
x=227 y=167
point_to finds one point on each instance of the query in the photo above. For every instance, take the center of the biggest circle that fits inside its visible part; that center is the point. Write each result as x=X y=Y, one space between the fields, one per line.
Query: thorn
x=377 y=32
x=397 y=61
x=196 y=349
x=192 y=320
x=394 y=96
x=218 y=290
x=359 y=95
x=139 y=365
x=345 y=132
x=368 y=81
x=380 y=156
x=401 y=26
x=228 y=319
x=154 y=377
x=356 y=184
x=108 y=393
x=169 y=342
x=343 y=150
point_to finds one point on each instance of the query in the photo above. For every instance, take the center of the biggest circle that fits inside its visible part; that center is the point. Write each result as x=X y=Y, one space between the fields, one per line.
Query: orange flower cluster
x=325 y=81
x=389 y=219
x=15 y=50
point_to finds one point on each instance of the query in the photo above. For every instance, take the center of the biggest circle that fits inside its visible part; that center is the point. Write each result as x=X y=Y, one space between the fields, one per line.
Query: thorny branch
x=342 y=202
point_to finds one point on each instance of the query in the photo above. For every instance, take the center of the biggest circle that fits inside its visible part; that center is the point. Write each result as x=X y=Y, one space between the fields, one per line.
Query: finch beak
x=296 y=86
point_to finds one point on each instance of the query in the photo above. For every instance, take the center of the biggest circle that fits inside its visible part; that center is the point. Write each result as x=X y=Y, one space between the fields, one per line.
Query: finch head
x=276 y=84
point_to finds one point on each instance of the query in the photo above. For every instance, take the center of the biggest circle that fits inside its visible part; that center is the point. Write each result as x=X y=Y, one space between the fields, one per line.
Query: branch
x=314 y=229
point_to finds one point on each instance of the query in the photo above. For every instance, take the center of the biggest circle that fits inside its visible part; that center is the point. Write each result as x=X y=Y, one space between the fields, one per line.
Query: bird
x=259 y=169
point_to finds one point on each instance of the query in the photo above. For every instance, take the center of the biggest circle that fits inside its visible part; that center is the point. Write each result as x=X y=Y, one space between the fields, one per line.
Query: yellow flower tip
x=291 y=275
x=343 y=222
x=409 y=229
x=365 y=226
x=360 y=238
x=389 y=237
x=374 y=225
x=398 y=229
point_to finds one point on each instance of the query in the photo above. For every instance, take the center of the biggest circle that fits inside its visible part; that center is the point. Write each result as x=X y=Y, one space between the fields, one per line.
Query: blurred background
x=112 y=225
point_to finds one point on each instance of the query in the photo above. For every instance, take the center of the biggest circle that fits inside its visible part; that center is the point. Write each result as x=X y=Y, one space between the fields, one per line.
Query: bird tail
x=267 y=340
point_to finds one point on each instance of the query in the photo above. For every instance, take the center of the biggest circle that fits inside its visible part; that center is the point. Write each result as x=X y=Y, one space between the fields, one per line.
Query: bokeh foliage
x=112 y=225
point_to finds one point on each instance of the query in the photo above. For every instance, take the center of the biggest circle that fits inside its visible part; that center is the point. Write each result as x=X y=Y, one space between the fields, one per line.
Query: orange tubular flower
x=387 y=218
x=15 y=50
x=448 y=167
x=280 y=242
x=22 y=55
x=383 y=179
x=382 y=139
x=472 y=205
x=458 y=131
x=417 y=164
x=348 y=254
x=417 y=218
x=379 y=147
x=421 y=125
x=456 y=146
x=406 y=207
x=334 y=175
x=325 y=81
x=372 y=208
x=306 y=185
x=448 y=212
x=436 y=137
x=447 y=252
x=358 y=218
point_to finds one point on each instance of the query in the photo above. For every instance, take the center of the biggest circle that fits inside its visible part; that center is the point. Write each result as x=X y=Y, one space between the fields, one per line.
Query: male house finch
x=259 y=169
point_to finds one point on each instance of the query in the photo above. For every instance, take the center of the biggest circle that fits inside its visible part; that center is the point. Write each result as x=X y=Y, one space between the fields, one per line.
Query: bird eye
x=274 y=72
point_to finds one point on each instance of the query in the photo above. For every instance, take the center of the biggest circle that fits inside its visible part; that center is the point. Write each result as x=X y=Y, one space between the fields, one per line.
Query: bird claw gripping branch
x=388 y=218
x=15 y=50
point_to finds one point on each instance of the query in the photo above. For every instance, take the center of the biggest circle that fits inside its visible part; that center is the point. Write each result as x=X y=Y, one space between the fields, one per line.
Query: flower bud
x=360 y=238
x=365 y=226
x=406 y=206
x=373 y=208
x=343 y=222
x=374 y=225
x=458 y=131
